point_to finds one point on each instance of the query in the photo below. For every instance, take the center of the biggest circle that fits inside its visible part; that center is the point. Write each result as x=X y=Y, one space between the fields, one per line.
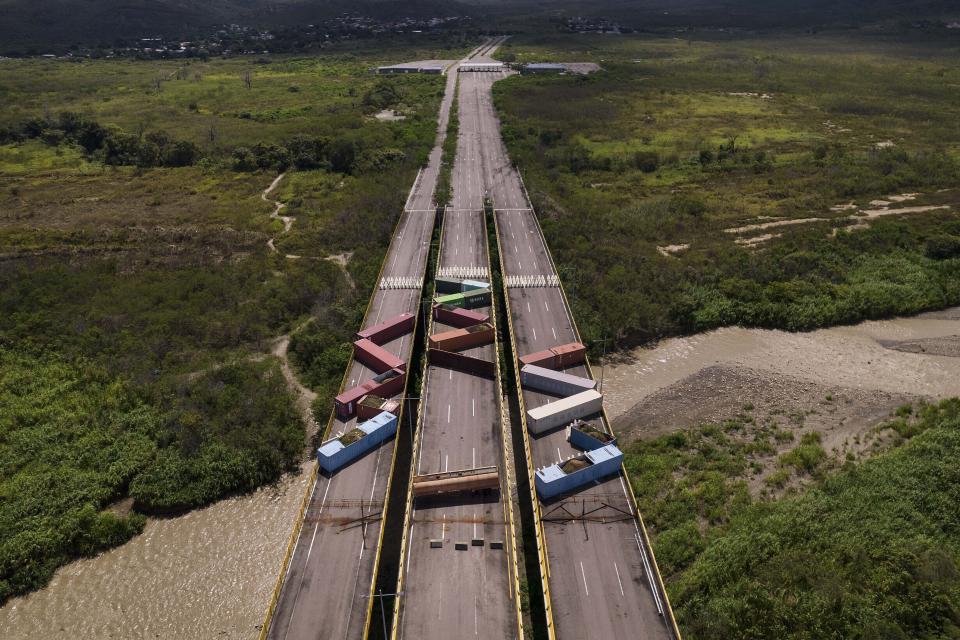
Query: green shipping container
x=453 y=299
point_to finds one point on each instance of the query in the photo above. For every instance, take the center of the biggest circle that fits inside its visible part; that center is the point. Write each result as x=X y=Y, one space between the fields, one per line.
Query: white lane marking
x=559 y=457
x=554 y=333
x=584 y=574
x=473 y=457
x=624 y=487
x=324 y=500
x=618 y=578
x=446 y=463
x=473 y=404
x=534 y=332
x=546 y=305
x=312 y=538
x=528 y=307
x=448 y=414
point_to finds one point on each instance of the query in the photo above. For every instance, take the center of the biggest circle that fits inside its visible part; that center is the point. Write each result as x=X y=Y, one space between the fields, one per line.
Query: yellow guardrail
x=271 y=607
x=538 y=524
x=504 y=440
x=414 y=453
x=291 y=544
x=668 y=608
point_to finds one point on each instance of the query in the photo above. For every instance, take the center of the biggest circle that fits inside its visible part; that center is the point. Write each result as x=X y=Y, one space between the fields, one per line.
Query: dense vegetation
x=871 y=551
x=139 y=299
x=677 y=141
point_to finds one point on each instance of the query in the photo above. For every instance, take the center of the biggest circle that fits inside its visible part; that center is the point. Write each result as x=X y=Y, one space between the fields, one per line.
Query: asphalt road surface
x=599 y=581
x=325 y=592
x=450 y=592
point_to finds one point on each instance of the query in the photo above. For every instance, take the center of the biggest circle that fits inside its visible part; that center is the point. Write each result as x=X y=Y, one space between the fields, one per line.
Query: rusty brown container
x=460 y=339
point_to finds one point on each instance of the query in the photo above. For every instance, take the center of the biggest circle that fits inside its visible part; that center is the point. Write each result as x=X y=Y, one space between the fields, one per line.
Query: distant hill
x=35 y=24
x=32 y=25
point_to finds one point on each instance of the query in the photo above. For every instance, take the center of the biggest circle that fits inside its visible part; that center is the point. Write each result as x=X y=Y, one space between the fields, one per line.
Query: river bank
x=206 y=574
x=839 y=381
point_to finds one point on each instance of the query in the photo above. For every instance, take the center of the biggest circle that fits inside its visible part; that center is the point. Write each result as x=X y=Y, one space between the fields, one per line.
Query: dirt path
x=304 y=396
x=277 y=207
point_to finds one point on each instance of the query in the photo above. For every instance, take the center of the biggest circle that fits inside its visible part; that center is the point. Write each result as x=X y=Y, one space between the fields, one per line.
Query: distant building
x=543 y=67
x=429 y=66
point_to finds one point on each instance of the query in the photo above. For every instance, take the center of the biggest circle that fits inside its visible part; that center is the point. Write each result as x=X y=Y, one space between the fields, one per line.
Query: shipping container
x=476 y=298
x=588 y=435
x=388 y=383
x=456 y=317
x=375 y=357
x=559 y=357
x=578 y=471
x=460 y=339
x=347 y=447
x=471 y=285
x=448 y=285
x=480 y=479
x=345 y=404
x=461 y=362
x=553 y=382
x=538 y=359
x=563 y=412
x=372 y=404
x=450 y=299
x=568 y=355
x=389 y=330
x=467 y=300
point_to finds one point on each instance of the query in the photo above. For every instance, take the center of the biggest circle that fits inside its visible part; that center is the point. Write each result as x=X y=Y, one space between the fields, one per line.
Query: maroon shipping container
x=389 y=383
x=456 y=317
x=375 y=357
x=369 y=406
x=559 y=357
x=388 y=330
x=345 y=404
x=568 y=355
x=460 y=339
x=540 y=359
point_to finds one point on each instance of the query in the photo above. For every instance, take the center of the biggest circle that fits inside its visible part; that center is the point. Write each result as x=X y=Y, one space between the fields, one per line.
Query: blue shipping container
x=553 y=480
x=333 y=454
x=584 y=440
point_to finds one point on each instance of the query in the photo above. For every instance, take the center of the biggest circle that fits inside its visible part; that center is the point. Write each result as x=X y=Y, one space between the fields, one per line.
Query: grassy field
x=653 y=177
x=869 y=551
x=139 y=300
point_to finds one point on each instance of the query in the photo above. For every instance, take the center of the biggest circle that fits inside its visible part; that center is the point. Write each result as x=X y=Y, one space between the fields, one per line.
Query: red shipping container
x=389 y=383
x=568 y=355
x=388 y=330
x=459 y=339
x=375 y=357
x=540 y=359
x=457 y=317
x=345 y=404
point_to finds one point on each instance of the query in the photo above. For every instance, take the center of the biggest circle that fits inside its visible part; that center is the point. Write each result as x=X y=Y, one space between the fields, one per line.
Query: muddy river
x=209 y=574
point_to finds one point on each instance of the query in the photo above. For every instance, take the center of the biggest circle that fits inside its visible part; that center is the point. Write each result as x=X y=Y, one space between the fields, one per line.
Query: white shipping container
x=554 y=382
x=563 y=412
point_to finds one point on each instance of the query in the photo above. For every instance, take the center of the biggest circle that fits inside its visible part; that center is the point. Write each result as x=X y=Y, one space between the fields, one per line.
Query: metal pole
x=603 y=363
x=383 y=614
